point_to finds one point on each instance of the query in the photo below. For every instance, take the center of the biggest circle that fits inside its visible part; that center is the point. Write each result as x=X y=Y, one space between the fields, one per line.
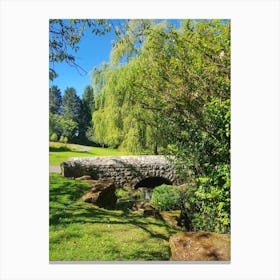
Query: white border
x=255 y=138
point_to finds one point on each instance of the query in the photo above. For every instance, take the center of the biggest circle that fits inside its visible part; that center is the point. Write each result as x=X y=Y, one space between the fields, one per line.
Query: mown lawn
x=82 y=232
x=61 y=152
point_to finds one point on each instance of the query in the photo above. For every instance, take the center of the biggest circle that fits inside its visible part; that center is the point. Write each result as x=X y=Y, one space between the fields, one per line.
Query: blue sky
x=93 y=50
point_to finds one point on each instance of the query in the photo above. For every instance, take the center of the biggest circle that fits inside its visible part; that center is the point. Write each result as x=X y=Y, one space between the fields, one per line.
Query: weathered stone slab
x=102 y=194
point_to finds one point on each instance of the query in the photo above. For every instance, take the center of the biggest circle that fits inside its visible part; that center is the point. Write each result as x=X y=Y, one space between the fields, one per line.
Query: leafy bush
x=61 y=139
x=166 y=197
x=54 y=137
x=210 y=202
x=65 y=140
x=204 y=163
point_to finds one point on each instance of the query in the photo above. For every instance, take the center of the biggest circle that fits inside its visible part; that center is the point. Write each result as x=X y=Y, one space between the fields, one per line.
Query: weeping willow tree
x=158 y=81
x=167 y=89
x=120 y=120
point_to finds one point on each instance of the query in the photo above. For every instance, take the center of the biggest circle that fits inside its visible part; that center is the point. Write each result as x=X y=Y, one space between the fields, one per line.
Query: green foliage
x=55 y=125
x=168 y=89
x=210 y=202
x=61 y=139
x=69 y=147
x=54 y=137
x=85 y=116
x=71 y=104
x=161 y=87
x=88 y=97
x=166 y=197
x=55 y=100
x=70 y=116
x=62 y=148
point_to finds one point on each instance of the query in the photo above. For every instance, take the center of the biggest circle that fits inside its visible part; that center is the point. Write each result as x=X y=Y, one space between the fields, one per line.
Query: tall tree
x=71 y=104
x=88 y=97
x=71 y=108
x=85 y=116
x=55 y=100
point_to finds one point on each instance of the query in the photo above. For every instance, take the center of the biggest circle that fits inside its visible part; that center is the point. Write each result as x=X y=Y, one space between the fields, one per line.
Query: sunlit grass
x=82 y=232
x=56 y=157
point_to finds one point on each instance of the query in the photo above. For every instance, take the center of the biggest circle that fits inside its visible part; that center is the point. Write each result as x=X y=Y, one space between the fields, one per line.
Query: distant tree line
x=70 y=116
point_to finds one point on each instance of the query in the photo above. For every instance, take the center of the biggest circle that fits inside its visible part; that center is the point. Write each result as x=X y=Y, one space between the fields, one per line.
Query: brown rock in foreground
x=200 y=246
x=102 y=194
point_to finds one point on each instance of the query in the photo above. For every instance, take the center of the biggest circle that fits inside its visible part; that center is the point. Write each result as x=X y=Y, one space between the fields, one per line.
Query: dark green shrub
x=210 y=202
x=63 y=148
x=166 y=197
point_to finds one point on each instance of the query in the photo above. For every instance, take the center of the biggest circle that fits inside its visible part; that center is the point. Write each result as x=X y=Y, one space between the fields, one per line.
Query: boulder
x=171 y=217
x=84 y=178
x=200 y=246
x=102 y=194
x=145 y=208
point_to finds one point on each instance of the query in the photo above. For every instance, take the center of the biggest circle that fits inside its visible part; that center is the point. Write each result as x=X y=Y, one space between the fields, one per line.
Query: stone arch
x=152 y=182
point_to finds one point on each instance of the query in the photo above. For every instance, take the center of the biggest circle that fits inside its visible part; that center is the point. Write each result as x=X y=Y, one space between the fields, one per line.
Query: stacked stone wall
x=122 y=169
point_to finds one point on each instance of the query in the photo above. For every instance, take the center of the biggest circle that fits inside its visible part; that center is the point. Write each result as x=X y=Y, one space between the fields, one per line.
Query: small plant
x=65 y=140
x=61 y=139
x=166 y=197
x=54 y=137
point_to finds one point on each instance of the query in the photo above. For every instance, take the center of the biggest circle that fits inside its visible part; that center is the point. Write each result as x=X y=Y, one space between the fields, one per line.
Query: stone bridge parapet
x=123 y=169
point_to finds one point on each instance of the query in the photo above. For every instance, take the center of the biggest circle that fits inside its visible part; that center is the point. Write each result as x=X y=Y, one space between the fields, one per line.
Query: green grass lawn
x=82 y=232
x=64 y=151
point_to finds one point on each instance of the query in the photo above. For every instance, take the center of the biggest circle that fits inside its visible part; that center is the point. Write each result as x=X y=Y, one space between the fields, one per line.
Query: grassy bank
x=82 y=232
x=61 y=152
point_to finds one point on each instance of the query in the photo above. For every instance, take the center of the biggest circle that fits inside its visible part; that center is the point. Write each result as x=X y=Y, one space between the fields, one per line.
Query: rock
x=85 y=177
x=145 y=208
x=171 y=217
x=102 y=194
x=200 y=246
x=142 y=205
x=152 y=212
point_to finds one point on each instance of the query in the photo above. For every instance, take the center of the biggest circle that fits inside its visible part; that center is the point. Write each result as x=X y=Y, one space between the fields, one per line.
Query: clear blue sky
x=93 y=50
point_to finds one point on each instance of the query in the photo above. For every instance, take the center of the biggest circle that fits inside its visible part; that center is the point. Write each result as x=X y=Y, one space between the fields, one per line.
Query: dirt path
x=54 y=169
x=84 y=148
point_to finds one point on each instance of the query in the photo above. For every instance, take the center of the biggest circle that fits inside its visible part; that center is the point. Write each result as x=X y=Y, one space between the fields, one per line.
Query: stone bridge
x=138 y=171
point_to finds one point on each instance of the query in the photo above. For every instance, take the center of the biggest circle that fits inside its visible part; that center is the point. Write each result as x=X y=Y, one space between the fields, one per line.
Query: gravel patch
x=54 y=169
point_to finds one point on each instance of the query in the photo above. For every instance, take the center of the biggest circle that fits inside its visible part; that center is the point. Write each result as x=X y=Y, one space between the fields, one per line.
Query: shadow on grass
x=91 y=215
x=68 y=210
x=60 y=149
x=68 y=191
